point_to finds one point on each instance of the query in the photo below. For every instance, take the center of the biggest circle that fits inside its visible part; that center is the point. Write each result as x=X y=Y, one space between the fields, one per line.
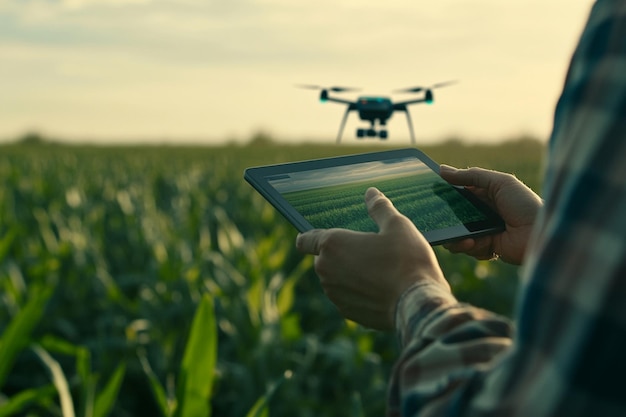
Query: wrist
x=417 y=302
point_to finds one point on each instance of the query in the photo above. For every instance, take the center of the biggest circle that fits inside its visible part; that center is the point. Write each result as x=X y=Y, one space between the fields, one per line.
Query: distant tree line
x=262 y=138
x=32 y=138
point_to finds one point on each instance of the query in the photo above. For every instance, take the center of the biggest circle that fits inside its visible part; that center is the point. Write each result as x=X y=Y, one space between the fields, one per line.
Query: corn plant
x=154 y=281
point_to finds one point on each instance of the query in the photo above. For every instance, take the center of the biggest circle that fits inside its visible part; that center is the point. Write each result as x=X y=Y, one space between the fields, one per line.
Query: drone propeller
x=443 y=84
x=333 y=89
x=409 y=90
x=418 y=89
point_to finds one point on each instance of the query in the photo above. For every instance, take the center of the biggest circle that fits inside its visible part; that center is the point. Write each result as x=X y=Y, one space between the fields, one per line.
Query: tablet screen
x=329 y=193
x=333 y=197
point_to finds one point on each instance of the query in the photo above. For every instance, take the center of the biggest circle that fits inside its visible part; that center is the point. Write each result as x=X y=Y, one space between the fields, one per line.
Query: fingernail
x=448 y=168
x=299 y=241
x=371 y=193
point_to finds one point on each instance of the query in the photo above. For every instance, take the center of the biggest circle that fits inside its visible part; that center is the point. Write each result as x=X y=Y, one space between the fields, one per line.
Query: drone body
x=375 y=109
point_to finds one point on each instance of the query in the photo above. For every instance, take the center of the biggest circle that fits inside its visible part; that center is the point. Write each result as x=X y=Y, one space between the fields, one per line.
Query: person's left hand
x=364 y=274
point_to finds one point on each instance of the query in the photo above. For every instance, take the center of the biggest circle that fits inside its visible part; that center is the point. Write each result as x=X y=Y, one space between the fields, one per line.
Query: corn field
x=153 y=281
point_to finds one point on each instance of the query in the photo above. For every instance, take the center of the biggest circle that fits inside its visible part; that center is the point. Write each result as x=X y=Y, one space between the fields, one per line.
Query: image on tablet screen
x=334 y=197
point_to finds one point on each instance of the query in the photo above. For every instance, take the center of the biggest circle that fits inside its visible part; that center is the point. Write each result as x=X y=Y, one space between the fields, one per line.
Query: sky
x=217 y=71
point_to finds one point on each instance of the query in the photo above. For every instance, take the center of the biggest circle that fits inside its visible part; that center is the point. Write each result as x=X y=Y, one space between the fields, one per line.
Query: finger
x=460 y=246
x=472 y=177
x=311 y=241
x=482 y=249
x=379 y=207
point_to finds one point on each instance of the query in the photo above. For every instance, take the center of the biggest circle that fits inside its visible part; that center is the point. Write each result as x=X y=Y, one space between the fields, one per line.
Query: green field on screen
x=425 y=198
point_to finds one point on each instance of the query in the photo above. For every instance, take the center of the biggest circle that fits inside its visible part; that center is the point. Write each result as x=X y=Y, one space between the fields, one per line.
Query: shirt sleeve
x=567 y=358
x=443 y=344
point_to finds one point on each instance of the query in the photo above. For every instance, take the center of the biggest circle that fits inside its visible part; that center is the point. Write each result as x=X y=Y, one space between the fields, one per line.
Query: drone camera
x=371 y=133
x=324 y=96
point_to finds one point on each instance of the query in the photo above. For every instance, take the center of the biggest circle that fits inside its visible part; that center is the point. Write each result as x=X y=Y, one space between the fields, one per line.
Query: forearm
x=443 y=344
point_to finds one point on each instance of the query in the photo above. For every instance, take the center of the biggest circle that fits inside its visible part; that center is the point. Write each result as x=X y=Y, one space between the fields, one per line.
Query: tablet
x=329 y=193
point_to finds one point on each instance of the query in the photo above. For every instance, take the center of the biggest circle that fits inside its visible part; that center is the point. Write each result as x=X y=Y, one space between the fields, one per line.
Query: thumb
x=311 y=242
x=472 y=177
x=454 y=176
x=379 y=207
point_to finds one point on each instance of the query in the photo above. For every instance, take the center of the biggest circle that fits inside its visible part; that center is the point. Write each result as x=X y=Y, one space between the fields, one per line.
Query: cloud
x=78 y=4
x=191 y=66
x=274 y=33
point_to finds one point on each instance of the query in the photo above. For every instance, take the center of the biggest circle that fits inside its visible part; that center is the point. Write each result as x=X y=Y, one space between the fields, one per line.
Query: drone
x=375 y=108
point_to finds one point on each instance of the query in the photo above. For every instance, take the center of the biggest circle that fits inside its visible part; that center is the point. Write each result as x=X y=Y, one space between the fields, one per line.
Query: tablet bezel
x=257 y=178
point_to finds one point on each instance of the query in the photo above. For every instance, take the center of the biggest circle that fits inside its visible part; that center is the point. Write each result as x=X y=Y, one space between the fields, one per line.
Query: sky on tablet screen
x=325 y=177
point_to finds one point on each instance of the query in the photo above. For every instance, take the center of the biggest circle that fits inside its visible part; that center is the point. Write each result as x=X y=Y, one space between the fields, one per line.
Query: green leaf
x=157 y=389
x=17 y=334
x=261 y=406
x=286 y=296
x=195 y=381
x=6 y=241
x=58 y=379
x=106 y=399
x=254 y=297
x=290 y=329
x=57 y=345
x=19 y=401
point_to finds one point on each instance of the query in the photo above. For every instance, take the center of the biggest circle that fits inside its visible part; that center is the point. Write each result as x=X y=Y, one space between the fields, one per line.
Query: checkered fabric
x=566 y=354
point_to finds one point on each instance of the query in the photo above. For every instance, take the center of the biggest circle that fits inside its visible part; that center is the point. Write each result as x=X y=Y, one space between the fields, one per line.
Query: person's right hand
x=517 y=204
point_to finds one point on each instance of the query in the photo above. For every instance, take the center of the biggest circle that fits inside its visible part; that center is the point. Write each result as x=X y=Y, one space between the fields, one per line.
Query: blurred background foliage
x=106 y=254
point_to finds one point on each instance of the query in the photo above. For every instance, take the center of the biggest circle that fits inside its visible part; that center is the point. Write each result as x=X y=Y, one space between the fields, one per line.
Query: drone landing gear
x=371 y=133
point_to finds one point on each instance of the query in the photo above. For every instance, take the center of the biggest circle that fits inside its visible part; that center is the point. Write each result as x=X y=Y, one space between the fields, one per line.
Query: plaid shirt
x=567 y=354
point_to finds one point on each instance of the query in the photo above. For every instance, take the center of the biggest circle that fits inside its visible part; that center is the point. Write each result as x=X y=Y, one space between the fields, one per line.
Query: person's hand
x=517 y=204
x=364 y=274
